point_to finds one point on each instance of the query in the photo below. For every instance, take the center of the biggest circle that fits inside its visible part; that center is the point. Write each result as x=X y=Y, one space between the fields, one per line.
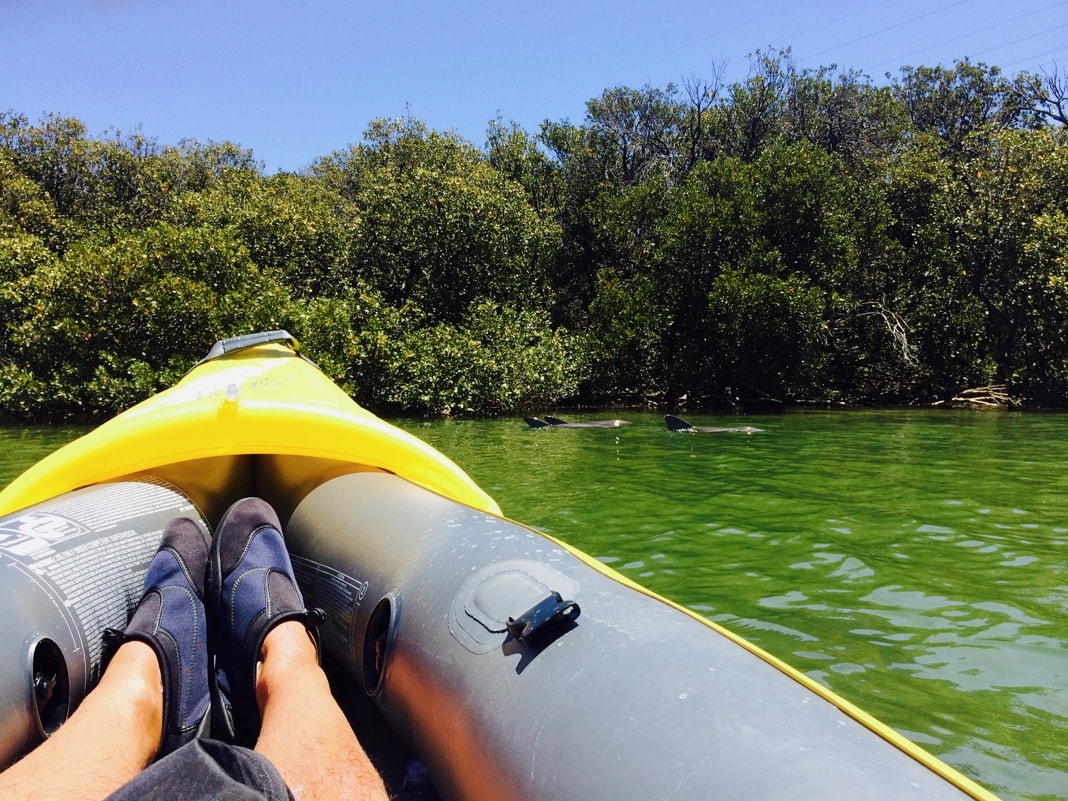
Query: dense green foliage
x=800 y=235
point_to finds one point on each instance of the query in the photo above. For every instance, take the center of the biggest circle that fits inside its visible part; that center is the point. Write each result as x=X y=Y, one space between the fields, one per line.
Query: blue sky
x=297 y=80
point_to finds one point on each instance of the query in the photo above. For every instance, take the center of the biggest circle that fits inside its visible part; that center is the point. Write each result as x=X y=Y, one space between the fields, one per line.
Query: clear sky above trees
x=294 y=81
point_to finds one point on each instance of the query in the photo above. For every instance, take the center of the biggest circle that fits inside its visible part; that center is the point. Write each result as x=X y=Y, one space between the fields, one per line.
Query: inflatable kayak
x=478 y=659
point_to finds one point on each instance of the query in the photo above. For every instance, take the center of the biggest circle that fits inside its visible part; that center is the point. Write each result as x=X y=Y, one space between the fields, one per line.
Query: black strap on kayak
x=551 y=616
x=225 y=347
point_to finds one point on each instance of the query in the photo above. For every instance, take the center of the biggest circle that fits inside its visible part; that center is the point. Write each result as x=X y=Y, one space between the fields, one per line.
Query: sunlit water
x=915 y=562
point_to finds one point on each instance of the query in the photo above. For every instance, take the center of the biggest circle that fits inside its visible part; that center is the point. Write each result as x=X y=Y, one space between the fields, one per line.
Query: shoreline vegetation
x=800 y=236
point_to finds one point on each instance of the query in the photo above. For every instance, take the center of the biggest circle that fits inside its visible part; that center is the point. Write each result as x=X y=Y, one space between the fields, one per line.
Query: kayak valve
x=51 y=690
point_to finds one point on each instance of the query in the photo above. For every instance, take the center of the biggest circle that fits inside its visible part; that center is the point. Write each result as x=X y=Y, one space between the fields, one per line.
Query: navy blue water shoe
x=251 y=589
x=170 y=618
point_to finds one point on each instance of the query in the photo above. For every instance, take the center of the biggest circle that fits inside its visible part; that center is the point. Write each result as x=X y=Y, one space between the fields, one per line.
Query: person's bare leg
x=303 y=732
x=109 y=739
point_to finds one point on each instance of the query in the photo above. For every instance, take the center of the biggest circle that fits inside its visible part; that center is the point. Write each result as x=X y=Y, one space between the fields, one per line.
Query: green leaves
x=985 y=256
x=801 y=234
x=765 y=334
x=437 y=226
x=113 y=321
x=500 y=360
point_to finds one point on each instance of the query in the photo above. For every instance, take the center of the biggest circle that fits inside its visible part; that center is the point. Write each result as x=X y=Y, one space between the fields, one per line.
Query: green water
x=915 y=562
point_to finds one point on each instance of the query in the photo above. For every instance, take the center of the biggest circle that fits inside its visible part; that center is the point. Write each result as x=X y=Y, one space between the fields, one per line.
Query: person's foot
x=251 y=589
x=170 y=619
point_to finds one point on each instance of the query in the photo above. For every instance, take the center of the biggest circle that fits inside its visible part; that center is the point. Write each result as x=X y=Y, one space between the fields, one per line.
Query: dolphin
x=556 y=422
x=678 y=424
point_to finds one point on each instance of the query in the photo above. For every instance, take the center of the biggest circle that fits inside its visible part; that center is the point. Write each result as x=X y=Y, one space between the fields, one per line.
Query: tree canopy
x=797 y=236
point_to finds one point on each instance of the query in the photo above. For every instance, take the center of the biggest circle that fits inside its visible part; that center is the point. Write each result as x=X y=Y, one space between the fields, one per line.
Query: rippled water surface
x=915 y=562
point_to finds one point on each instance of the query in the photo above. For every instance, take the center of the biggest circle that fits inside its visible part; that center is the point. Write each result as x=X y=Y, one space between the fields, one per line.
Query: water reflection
x=22 y=446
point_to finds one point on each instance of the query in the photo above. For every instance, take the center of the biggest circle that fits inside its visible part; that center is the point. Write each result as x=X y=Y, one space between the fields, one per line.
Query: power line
x=1061 y=49
x=1023 y=39
x=945 y=42
x=884 y=30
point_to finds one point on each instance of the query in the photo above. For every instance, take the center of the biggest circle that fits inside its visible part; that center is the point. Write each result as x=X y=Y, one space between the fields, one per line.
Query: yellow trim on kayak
x=901 y=742
x=264 y=400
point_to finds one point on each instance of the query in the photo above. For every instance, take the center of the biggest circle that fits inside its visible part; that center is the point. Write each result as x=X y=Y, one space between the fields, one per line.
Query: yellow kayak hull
x=263 y=400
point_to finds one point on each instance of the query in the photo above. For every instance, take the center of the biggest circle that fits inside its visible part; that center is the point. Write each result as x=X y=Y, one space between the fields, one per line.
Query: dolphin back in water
x=556 y=422
x=678 y=424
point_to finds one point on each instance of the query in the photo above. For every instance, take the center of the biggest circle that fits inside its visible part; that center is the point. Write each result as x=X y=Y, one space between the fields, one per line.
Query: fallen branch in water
x=993 y=396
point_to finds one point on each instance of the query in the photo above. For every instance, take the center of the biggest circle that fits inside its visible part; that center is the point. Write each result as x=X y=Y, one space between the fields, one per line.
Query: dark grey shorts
x=204 y=770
